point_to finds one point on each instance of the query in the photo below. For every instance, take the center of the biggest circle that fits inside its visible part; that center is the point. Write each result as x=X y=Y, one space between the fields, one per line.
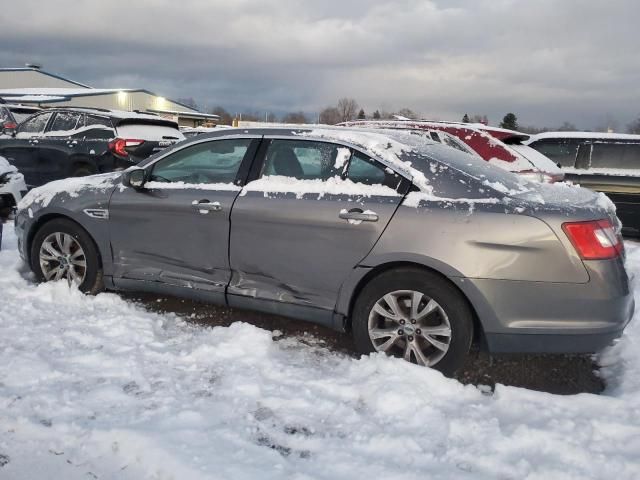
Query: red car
x=498 y=146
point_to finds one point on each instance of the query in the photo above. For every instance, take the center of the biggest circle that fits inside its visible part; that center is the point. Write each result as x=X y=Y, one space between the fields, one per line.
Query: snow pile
x=95 y=387
x=6 y=167
x=70 y=186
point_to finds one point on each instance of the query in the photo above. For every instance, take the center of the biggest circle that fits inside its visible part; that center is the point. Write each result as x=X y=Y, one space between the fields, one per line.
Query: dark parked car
x=604 y=162
x=73 y=142
x=412 y=246
x=11 y=115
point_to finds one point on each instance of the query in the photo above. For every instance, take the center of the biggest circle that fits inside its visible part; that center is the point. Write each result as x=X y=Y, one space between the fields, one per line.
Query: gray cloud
x=548 y=61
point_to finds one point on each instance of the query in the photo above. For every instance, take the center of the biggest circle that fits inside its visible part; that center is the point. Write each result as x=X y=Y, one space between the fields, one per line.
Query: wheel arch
x=478 y=329
x=46 y=218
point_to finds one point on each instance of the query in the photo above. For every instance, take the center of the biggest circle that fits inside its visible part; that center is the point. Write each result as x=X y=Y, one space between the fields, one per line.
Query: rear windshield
x=145 y=131
x=21 y=114
x=616 y=155
x=469 y=165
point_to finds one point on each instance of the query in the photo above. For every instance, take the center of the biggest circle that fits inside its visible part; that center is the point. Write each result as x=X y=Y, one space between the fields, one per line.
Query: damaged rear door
x=309 y=214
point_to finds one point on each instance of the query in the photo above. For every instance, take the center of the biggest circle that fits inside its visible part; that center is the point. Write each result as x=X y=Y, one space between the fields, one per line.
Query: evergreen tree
x=465 y=119
x=376 y=115
x=510 y=121
x=361 y=115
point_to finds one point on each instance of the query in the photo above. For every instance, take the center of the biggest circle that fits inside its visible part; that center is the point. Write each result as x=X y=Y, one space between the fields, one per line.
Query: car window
x=367 y=171
x=302 y=159
x=65 y=122
x=94 y=120
x=453 y=142
x=4 y=116
x=95 y=132
x=434 y=136
x=35 y=124
x=561 y=151
x=615 y=155
x=21 y=114
x=210 y=162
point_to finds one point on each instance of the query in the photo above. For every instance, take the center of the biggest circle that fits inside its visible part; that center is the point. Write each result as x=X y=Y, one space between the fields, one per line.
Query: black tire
x=456 y=306
x=92 y=283
x=82 y=170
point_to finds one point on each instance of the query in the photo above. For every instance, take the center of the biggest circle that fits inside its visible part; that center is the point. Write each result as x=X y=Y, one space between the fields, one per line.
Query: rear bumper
x=550 y=343
x=542 y=317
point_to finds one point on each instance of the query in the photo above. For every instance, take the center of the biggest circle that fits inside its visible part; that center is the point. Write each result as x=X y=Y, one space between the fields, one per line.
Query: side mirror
x=135 y=178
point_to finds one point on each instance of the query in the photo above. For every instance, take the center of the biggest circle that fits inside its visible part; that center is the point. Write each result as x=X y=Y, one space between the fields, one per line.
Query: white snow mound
x=97 y=387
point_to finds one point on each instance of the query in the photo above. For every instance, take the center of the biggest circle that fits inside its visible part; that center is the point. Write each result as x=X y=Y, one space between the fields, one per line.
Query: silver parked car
x=414 y=247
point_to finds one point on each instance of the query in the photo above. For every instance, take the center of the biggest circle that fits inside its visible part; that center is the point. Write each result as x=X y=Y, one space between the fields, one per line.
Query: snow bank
x=97 y=387
x=6 y=167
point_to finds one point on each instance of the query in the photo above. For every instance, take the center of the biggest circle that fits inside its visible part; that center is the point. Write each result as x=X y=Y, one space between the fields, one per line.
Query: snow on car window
x=273 y=184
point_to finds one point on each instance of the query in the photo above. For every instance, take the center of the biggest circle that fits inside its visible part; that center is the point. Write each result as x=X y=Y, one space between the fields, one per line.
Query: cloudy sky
x=546 y=60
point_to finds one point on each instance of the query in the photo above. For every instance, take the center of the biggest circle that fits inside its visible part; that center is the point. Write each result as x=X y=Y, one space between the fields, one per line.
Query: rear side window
x=65 y=122
x=94 y=120
x=4 y=116
x=367 y=171
x=616 y=155
x=302 y=159
x=561 y=151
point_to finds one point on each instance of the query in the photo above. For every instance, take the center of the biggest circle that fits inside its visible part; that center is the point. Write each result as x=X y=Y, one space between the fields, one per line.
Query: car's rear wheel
x=62 y=250
x=416 y=315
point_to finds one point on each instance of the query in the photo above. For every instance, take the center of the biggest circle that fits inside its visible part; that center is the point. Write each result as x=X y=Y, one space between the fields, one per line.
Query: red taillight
x=10 y=125
x=594 y=240
x=119 y=145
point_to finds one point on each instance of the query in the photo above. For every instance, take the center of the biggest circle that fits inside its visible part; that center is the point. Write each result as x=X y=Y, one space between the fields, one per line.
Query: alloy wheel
x=62 y=257
x=410 y=325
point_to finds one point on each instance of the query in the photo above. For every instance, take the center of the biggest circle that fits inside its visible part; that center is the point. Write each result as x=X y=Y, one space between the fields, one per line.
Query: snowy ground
x=96 y=387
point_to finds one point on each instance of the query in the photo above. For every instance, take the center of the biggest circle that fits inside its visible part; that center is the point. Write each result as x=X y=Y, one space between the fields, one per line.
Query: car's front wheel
x=62 y=250
x=416 y=315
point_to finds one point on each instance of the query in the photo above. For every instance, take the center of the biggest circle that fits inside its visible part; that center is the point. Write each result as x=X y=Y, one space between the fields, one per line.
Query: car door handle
x=205 y=206
x=356 y=215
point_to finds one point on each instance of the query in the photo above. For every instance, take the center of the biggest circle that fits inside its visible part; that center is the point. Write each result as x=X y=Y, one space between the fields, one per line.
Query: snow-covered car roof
x=121 y=115
x=584 y=135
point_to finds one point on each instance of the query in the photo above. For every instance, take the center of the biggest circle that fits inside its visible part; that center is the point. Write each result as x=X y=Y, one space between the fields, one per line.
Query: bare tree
x=330 y=116
x=480 y=119
x=567 y=127
x=295 y=117
x=407 y=113
x=348 y=109
x=225 y=117
x=634 y=127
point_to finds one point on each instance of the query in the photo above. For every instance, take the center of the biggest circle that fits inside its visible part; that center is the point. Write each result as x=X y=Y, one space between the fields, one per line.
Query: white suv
x=12 y=188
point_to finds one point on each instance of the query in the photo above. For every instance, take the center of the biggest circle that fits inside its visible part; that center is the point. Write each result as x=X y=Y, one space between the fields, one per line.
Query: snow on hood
x=72 y=187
